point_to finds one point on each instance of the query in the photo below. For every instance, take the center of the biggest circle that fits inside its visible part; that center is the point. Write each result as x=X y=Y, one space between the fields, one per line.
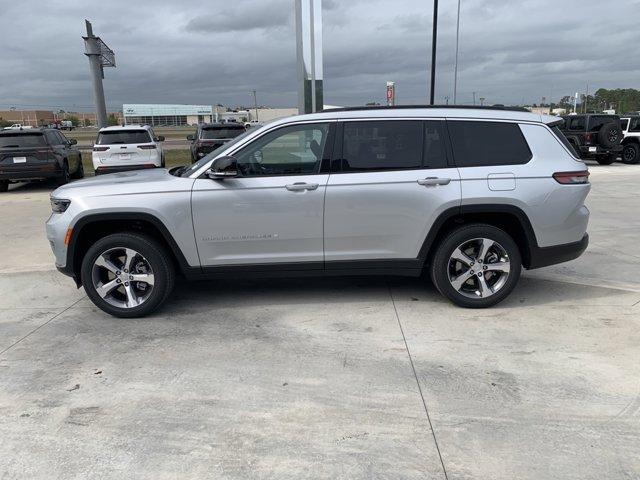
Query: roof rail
x=402 y=107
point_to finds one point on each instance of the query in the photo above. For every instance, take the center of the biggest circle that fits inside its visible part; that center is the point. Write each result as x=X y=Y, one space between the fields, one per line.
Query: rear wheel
x=631 y=153
x=127 y=275
x=4 y=186
x=606 y=159
x=476 y=266
x=79 y=173
x=64 y=176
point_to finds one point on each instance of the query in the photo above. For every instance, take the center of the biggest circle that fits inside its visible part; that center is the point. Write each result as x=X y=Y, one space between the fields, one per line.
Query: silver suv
x=468 y=195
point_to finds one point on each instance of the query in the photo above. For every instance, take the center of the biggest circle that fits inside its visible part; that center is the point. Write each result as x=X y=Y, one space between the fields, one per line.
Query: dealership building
x=165 y=114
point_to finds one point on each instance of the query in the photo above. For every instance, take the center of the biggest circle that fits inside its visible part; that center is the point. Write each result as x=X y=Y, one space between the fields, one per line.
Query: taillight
x=572 y=178
x=43 y=153
x=588 y=137
x=100 y=149
x=147 y=147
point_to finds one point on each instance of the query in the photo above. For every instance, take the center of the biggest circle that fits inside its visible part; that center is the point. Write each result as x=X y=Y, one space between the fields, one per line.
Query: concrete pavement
x=326 y=378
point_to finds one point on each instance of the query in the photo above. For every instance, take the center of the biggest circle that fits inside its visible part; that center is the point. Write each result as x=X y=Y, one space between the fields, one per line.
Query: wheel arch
x=509 y=218
x=92 y=227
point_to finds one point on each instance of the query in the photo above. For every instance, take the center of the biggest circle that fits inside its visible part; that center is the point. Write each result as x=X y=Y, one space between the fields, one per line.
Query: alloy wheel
x=122 y=277
x=479 y=268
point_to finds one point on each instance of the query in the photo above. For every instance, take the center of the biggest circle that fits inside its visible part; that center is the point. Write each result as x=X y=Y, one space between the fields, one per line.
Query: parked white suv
x=469 y=195
x=631 y=139
x=127 y=147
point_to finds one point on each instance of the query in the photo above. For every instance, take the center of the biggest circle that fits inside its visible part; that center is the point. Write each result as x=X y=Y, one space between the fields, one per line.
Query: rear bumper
x=585 y=152
x=29 y=172
x=123 y=168
x=545 y=256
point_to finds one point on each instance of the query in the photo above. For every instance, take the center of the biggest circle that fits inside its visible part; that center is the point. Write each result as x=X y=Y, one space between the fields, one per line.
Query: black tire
x=4 y=186
x=439 y=268
x=158 y=259
x=631 y=153
x=63 y=179
x=609 y=135
x=79 y=173
x=606 y=159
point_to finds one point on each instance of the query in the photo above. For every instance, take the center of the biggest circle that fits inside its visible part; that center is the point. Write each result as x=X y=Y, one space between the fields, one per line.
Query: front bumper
x=545 y=256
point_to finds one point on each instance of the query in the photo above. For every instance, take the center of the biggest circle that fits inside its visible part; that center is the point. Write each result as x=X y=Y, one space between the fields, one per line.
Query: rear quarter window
x=123 y=137
x=484 y=144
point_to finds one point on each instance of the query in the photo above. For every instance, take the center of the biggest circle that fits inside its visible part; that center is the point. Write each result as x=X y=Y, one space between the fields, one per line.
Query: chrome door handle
x=433 y=181
x=299 y=186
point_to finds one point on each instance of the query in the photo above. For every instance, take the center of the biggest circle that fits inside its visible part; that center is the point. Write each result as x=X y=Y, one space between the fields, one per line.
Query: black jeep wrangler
x=594 y=136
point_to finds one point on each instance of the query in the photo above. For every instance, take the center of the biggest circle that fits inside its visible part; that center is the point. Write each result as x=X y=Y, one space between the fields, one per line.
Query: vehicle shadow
x=530 y=292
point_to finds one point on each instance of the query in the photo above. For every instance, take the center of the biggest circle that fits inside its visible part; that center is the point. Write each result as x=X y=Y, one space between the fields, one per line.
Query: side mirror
x=161 y=138
x=73 y=141
x=223 y=167
x=191 y=138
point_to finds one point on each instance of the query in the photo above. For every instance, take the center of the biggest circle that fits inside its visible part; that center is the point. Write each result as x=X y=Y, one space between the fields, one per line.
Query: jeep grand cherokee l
x=469 y=195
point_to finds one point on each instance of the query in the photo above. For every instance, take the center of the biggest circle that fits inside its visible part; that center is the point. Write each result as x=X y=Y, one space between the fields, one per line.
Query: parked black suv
x=594 y=136
x=36 y=154
x=210 y=136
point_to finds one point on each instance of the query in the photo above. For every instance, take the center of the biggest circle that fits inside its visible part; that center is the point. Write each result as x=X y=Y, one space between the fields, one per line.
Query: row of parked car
x=28 y=154
x=41 y=153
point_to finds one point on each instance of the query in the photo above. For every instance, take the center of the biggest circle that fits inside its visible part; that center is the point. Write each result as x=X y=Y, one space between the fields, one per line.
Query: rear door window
x=22 y=140
x=382 y=145
x=576 y=123
x=624 y=123
x=123 y=137
x=483 y=144
x=635 y=124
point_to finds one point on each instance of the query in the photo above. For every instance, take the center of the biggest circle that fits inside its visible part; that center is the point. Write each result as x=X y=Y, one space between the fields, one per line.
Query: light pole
x=455 y=68
x=433 y=52
x=481 y=101
x=474 y=97
x=255 y=103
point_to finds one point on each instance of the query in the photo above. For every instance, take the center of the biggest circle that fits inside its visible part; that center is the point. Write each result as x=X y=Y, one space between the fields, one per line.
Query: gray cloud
x=217 y=51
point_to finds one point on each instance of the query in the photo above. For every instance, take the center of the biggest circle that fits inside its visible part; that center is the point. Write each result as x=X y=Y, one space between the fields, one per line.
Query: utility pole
x=586 y=99
x=434 y=40
x=255 y=104
x=455 y=68
x=474 y=97
x=100 y=56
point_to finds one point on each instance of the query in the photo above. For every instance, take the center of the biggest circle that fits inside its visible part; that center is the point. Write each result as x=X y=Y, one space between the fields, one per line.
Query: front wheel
x=63 y=179
x=127 y=275
x=476 y=266
x=79 y=173
x=631 y=153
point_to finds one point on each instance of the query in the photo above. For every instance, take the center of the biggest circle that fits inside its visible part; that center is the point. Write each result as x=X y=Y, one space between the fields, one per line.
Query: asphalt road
x=329 y=378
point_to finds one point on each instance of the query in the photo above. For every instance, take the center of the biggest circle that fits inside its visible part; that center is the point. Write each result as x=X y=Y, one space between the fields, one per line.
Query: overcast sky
x=217 y=51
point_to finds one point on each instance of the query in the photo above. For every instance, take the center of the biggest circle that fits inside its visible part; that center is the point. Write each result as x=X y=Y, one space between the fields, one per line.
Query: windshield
x=192 y=168
x=216 y=133
x=123 y=136
x=22 y=140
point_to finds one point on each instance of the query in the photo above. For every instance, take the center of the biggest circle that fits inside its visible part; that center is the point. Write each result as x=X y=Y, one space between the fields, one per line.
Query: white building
x=166 y=114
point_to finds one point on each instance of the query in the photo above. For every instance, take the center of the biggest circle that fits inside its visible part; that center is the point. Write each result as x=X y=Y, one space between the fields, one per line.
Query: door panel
x=384 y=215
x=259 y=220
x=272 y=212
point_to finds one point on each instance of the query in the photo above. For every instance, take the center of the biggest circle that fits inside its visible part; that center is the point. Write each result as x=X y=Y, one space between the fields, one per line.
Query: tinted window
x=123 y=136
x=22 y=140
x=635 y=124
x=558 y=133
x=294 y=150
x=576 y=123
x=624 y=123
x=382 y=145
x=435 y=155
x=216 y=133
x=479 y=144
x=596 y=122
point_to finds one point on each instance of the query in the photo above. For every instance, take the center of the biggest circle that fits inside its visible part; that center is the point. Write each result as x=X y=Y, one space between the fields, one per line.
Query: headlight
x=59 y=205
